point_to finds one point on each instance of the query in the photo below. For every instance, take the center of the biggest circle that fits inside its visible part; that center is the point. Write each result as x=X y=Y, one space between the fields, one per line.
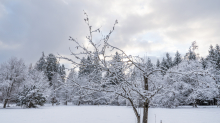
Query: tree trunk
x=5 y=103
x=194 y=104
x=145 y=112
x=146 y=103
x=135 y=111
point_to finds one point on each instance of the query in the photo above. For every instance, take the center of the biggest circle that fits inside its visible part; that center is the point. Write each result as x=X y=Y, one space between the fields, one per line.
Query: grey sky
x=152 y=27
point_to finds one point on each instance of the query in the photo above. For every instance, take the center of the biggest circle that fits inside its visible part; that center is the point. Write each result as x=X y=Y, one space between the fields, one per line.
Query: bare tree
x=133 y=90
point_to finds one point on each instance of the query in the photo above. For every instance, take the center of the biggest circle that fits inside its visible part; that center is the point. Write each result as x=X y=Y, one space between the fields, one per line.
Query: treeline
x=32 y=85
x=46 y=81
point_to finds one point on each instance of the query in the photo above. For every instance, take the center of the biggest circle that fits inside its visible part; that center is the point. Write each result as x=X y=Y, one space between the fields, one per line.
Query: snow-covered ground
x=107 y=114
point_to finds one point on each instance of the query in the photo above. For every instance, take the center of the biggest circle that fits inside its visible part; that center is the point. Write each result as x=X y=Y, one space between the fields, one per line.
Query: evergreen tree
x=81 y=72
x=217 y=57
x=30 y=97
x=211 y=55
x=204 y=63
x=62 y=72
x=52 y=67
x=177 y=59
x=149 y=65
x=116 y=65
x=96 y=71
x=158 y=63
x=163 y=64
x=41 y=63
x=191 y=55
x=89 y=68
x=169 y=62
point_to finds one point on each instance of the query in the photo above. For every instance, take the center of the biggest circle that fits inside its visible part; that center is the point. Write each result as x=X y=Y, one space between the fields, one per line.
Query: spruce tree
x=41 y=63
x=177 y=59
x=158 y=63
x=114 y=77
x=169 y=63
x=204 y=63
x=52 y=67
x=163 y=66
x=149 y=65
x=82 y=67
x=62 y=72
x=211 y=55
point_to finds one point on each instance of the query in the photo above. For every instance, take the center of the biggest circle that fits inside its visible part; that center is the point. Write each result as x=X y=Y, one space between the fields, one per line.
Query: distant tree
x=115 y=64
x=163 y=66
x=82 y=68
x=191 y=55
x=62 y=72
x=158 y=63
x=169 y=62
x=51 y=67
x=177 y=59
x=211 y=56
x=204 y=63
x=41 y=63
x=149 y=65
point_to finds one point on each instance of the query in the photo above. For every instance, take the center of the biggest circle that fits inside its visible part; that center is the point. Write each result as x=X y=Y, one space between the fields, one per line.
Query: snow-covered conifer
x=177 y=58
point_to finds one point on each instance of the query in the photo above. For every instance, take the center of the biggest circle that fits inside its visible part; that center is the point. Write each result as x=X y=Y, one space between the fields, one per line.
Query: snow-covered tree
x=41 y=63
x=35 y=89
x=81 y=72
x=204 y=63
x=30 y=97
x=62 y=72
x=163 y=66
x=194 y=83
x=51 y=67
x=115 y=65
x=133 y=90
x=177 y=58
x=158 y=63
x=191 y=54
x=12 y=76
x=169 y=62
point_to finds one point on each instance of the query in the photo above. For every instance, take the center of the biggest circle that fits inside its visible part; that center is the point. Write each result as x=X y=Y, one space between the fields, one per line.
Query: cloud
x=146 y=27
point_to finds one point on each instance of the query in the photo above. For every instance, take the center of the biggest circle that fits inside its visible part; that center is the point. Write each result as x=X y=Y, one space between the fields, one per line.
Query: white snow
x=107 y=114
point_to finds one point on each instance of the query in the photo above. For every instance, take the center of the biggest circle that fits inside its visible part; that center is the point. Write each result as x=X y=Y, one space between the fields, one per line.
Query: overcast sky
x=146 y=27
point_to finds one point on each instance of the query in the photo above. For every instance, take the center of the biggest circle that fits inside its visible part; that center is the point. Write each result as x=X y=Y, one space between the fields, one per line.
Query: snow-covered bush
x=30 y=97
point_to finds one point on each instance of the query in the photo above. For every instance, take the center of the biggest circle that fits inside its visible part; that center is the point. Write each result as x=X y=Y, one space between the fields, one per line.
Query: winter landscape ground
x=107 y=114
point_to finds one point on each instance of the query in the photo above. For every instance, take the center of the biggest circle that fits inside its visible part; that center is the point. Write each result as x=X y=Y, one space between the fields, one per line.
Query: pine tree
x=62 y=72
x=217 y=57
x=89 y=68
x=30 y=97
x=149 y=65
x=116 y=65
x=177 y=59
x=158 y=63
x=211 y=55
x=41 y=64
x=204 y=63
x=163 y=64
x=191 y=55
x=169 y=62
x=96 y=71
x=52 y=67
x=81 y=72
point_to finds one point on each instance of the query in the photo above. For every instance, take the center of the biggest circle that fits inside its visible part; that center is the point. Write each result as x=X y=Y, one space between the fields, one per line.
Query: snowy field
x=107 y=114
